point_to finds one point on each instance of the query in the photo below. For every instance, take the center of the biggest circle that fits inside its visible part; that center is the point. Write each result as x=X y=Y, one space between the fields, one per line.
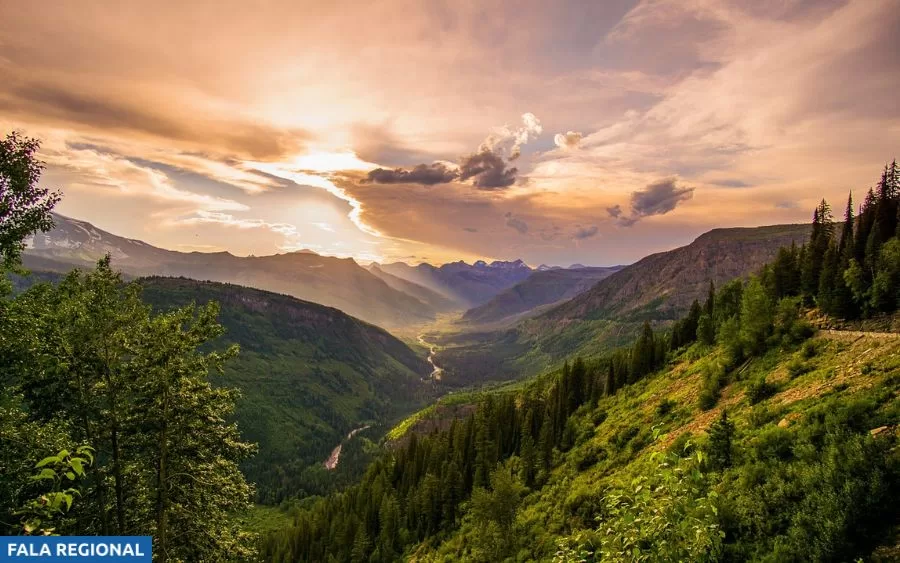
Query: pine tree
x=826 y=298
x=864 y=227
x=721 y=434
x=886 y=206
x=642 y=354
x=820 y=239
x=545 y=444
x=609 y=386
x=846 y=246
x=706 y=330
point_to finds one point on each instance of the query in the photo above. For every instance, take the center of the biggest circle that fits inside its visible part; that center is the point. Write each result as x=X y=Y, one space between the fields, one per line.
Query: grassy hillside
x=308 y=374
x=808 y=470
x=837 y=384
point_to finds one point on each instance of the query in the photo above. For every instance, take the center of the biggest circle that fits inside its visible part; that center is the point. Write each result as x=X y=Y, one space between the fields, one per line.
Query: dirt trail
x=859 y=334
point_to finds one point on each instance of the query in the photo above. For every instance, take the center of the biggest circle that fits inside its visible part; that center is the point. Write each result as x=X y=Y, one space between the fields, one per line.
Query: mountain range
x=466 y=285
x=542 y=288
x=390 y=295
x=658 y=288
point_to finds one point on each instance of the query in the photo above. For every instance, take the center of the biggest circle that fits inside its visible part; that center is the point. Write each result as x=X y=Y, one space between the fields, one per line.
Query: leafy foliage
x=24 y=206
x=62 y=471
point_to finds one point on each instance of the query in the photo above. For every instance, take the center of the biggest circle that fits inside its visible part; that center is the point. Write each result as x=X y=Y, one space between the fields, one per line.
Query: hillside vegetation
x=816 y=440
x=308 y=374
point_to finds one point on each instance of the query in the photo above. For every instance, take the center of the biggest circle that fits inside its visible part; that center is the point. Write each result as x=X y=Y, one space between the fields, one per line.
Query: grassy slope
x=615 y=437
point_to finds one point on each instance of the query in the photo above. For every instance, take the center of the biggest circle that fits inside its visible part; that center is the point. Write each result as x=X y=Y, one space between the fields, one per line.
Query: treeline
x=108 y=422
x=850 y=269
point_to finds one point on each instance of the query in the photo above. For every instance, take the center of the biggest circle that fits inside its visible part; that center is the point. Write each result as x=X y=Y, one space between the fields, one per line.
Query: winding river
x=335 y=456
x=435 y=370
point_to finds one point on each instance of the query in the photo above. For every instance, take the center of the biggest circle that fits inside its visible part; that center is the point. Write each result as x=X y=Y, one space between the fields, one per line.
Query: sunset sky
x=556 y=132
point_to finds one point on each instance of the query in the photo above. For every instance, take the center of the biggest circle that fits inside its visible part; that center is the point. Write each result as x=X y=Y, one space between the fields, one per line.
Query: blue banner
x=51 y=549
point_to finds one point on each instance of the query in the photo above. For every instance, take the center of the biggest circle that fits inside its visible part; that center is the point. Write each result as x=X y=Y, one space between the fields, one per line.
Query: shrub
x=810 y=349
x=713 y=380
x=760 y=415
x=682 y=446
x=589 y=455
x=665 y=407
x=796 y=368
x=760 y=390
x=669 y=516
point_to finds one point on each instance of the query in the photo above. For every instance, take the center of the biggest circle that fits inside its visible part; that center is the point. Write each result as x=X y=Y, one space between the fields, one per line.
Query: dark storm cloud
x=487 y=169
x=425 y=174
x=585 y=232
x=733 y=183
x=517 y=224
x=657 y=198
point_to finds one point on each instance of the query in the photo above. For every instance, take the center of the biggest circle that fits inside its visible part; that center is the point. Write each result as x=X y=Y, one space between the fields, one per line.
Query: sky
x=414 y=130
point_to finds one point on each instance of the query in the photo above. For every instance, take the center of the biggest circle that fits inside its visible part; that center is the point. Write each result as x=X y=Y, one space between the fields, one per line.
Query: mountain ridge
x=468 y=285
x=658 y=288
x=542 y=288
x=336 y=282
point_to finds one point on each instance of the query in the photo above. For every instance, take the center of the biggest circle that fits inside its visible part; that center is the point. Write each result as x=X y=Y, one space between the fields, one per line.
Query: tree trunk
x=162 y=509
x=117 y=472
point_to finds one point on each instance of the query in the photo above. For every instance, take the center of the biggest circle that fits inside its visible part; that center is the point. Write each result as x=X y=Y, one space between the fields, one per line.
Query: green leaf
x=46 y=473
x=77 y=465
x=70 y=476
x=47 y=460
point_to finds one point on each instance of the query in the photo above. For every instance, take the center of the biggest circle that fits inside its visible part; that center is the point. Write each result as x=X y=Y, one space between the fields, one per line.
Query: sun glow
x=325 y=161
x=312 y=169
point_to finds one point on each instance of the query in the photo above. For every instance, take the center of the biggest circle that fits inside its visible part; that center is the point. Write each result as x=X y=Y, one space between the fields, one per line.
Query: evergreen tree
x=756 y=317
x=642 y=354
x=706 y=330
x=827 y=298
x=721 y=434
x=820 y=239
x=845 y=249
x=710 y=299
x=864 y=228
x=886 y=206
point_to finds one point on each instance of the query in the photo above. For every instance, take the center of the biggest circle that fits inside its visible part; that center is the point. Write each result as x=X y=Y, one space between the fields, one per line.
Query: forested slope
x=308 y=374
